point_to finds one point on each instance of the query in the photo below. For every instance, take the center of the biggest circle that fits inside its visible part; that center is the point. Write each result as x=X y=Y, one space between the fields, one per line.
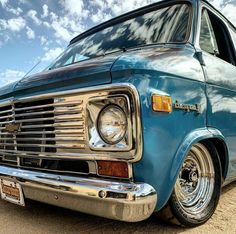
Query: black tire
x=176 y=211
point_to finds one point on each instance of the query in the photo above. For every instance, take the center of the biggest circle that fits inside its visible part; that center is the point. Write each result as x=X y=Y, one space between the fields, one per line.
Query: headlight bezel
x=107 y=107
x=94 y=107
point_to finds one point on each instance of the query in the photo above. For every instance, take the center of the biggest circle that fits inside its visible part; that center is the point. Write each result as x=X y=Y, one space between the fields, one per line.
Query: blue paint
x=165 y=69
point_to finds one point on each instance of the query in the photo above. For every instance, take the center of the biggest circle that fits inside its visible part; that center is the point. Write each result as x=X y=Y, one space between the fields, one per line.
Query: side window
x=79 y=57
x=207 y=36
x=69 y=61
x=215 y=38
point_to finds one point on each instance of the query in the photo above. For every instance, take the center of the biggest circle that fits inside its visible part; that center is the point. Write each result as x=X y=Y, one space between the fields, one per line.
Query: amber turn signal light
x=161 y=103
x=113 y=169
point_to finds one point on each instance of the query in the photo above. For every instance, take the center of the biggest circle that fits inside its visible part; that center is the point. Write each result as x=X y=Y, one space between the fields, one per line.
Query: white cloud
x=230 y=11
x=3 y=24
x=30 y=33
x=73 y=7
x=15 y=24
x=100 y=4
x=10 y=75
x=118 y=7
x=45 y=11
x=43 y=40
x=53 y=16
x=46 y=24
x=33 y=15
x=105 y=9
x=65 y=27
x=70 y=23
x=217 y=3
x=100 y=17
x=52 y=54
x=3 y=2
x=14 y=11
x=61 y=32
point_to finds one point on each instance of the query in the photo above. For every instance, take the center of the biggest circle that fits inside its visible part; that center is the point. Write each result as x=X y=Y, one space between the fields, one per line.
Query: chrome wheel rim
x=195 y=184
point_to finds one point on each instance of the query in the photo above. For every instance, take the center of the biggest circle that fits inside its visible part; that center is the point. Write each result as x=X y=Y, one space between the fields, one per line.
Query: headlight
x=112 y=124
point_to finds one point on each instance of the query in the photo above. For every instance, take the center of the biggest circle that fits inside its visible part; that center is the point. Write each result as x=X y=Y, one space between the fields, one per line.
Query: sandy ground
x=41 y=218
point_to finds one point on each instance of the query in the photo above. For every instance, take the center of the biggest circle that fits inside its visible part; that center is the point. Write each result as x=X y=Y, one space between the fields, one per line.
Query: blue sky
x=33 y=31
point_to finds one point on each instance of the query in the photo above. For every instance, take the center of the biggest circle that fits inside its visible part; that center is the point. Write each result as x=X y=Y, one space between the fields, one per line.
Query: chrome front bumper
x=129 y=202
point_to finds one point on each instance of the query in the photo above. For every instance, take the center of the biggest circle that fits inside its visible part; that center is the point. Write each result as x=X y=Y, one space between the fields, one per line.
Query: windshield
x=165 y=25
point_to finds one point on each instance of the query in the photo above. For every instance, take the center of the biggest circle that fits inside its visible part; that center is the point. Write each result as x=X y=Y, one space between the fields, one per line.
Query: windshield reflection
x=166 y=25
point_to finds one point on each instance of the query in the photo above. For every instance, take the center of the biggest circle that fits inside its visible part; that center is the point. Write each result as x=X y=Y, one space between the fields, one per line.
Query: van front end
x=55 y=152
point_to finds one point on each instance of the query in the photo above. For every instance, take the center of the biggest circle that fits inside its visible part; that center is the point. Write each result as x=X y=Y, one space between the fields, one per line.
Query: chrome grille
x=55 y=129
x=52 y=126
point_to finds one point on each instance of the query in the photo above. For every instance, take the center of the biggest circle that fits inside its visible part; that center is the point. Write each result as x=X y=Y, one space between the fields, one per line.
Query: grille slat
x=37 y=154
x=55 y=112
x=76 y=125
x=79 y=138
x=63 y=132
x=56 y=118
x=58 y=146
x=6 y=111
x=60 y=125
x=65 y=104
x=7 y=116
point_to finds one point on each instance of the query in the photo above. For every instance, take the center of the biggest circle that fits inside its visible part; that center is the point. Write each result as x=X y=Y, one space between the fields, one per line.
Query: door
x=220 y=71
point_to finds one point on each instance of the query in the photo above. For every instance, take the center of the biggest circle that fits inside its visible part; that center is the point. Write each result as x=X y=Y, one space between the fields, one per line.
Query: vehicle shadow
x=228 y=187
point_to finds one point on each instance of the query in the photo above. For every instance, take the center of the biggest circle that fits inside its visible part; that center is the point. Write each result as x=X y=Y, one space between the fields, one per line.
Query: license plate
x=11 y=191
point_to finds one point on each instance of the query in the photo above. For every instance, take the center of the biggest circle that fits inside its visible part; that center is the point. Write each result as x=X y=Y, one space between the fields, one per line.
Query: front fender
x=162 y=172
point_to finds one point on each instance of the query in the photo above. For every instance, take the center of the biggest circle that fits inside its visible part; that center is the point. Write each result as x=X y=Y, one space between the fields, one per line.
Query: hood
x=104 y=70
x=87 y=73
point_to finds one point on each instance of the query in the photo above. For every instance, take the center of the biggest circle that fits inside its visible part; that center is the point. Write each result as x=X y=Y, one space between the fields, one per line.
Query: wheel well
x=222 y=152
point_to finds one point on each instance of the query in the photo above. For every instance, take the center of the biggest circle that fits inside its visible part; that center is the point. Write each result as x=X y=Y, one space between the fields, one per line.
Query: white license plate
x=11 y=191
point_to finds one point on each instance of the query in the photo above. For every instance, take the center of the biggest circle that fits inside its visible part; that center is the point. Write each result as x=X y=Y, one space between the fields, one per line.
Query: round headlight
x=112 y=124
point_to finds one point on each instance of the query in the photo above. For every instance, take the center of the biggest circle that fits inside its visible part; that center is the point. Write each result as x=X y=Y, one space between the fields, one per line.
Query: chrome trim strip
x=49 y=155
x=111 y=87
x=129 y=201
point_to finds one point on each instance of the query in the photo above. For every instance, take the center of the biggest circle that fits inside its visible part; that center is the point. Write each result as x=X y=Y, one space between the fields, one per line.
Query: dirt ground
x=41 y=218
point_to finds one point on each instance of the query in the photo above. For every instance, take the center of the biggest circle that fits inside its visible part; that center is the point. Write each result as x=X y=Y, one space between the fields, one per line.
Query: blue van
x=137 y=115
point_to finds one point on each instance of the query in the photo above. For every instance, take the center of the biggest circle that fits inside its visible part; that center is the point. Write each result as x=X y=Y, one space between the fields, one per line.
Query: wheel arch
x=197 y=136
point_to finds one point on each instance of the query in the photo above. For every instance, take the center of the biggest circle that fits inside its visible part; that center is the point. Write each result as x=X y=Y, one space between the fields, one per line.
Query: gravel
x=41 y=218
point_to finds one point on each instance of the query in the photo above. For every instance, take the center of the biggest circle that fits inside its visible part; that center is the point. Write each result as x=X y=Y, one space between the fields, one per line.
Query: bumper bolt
x=102 y=194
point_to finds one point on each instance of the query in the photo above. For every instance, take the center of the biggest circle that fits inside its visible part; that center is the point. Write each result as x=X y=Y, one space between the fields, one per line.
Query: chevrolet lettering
x=135 y=117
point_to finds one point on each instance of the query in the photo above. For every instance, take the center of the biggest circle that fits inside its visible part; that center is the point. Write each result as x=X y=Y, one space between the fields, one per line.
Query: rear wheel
x=197 y=189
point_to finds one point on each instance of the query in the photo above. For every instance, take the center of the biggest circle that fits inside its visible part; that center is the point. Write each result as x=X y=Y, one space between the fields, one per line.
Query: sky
x=36 y=32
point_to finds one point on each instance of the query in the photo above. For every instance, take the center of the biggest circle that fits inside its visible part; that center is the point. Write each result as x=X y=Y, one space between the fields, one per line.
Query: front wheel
x=197 y=189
